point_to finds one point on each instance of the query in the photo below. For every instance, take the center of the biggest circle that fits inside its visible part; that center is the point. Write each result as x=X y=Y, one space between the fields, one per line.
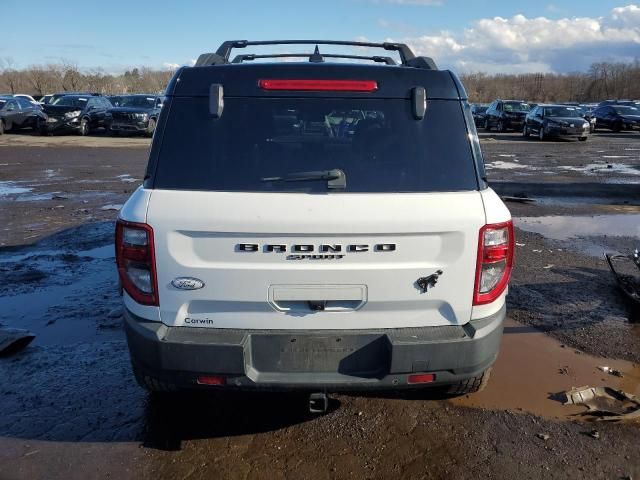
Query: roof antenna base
x=316 y=57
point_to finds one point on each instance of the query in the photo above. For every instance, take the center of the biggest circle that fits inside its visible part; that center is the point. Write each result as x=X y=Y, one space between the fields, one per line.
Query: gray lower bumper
x=332 y=360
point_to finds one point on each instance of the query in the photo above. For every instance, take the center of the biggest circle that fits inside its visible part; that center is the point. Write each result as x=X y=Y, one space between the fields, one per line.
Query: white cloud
x=170 y=66
x=540 y=44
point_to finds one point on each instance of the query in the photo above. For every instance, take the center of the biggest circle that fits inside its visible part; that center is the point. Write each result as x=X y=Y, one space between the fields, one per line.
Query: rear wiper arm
x=336 y=179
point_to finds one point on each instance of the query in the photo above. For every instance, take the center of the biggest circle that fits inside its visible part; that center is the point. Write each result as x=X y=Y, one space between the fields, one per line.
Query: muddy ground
x=71 y=409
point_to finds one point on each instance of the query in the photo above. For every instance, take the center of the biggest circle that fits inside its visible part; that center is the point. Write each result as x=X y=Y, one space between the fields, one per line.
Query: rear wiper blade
x=336 y=179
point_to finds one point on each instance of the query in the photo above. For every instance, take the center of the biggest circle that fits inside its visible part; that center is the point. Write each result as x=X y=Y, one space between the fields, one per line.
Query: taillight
x=366 y=86
x=495 y=261
x=136 y=261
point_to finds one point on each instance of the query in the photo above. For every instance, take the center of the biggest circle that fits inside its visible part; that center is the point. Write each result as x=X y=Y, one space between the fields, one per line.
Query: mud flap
x=13 y=340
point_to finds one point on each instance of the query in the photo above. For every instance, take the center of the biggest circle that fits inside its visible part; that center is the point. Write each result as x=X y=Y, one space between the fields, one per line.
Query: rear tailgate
x=386 y=242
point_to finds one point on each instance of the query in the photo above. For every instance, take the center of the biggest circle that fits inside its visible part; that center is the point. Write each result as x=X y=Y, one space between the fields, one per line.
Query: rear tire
x=1 y=126
x=541 y=136
x=617 y=127
x=501 y=127
x=471 y=385
x=525 y=132
x=152 y=384
x=487 y=127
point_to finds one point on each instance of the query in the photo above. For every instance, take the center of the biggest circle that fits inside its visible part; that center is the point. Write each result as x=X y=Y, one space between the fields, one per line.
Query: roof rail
x=377 y=59
x=222 y=55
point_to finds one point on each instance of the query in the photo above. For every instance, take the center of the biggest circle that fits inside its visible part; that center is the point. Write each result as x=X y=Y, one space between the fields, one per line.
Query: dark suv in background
x=18 y=112
x=617 y=117
x=506 y=115
x=76 y=113
x=135 y=114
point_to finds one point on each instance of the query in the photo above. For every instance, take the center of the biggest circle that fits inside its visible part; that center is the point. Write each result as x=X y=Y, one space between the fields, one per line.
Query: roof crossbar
x=406 y=55
x=250 y=57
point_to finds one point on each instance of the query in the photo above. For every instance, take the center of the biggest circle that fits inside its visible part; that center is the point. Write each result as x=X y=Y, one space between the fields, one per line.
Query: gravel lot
x=71 y=408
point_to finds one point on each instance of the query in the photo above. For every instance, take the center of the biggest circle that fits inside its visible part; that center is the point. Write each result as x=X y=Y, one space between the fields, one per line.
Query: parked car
x=506 y=115
x=556 y=121
x=17 y=113
x=478 y=110
x=266 y=249
x=76 y=113
x=617 y=117
x=136 y=114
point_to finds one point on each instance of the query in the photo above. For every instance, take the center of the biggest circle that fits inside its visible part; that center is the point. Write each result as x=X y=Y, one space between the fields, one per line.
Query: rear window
x=377 y=143
x=516 y=107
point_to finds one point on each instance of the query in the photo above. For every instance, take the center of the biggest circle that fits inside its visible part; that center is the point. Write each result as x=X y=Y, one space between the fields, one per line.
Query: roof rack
x=222 y=55
x=313 y=57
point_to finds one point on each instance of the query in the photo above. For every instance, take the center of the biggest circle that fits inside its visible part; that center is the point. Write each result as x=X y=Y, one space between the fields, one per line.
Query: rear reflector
x=421 y=378
x=365 y=86
x=211 y=380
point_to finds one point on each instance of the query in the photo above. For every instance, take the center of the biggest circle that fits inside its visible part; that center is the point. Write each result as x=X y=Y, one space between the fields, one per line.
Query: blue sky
x=464 y=35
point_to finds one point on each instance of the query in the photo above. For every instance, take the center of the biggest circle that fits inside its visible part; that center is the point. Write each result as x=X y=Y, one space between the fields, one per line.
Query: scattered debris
x=620 y=265
x=605 y=403
x=111 y=206
x=520 y=244
x=611 y=371
x=12 y=340
x=543 y=436
x=536 y=251
x=594 y=434
x=547 y=267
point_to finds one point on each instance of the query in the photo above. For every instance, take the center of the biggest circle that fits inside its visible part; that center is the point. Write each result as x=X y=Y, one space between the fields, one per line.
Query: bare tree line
x=603 y=81
x=40 y=80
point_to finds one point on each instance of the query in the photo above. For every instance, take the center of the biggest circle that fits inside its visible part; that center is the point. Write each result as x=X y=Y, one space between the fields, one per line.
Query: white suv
x=314 y=225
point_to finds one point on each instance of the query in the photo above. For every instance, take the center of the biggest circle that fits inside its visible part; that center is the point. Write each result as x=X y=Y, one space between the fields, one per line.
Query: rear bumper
x=310 y=360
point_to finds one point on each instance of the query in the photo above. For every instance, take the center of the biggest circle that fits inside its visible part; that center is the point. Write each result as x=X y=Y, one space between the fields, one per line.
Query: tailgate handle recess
x=317 y=298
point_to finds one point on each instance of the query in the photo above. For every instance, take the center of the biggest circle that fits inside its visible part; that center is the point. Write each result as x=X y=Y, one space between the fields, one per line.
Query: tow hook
x=318 y=403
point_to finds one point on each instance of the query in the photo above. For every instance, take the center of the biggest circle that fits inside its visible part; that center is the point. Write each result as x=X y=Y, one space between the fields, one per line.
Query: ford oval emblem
x=187 y=283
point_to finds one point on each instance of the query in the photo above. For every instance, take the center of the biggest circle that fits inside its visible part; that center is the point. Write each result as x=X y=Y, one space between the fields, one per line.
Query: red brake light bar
x=364 y=86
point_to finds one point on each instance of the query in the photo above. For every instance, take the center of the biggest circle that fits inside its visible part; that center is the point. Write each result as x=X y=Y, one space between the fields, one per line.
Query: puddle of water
x=572 y=201
x=71 y=310
x=98 y=253
x=532 y=367
x=567 y=226
x=10 y=188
